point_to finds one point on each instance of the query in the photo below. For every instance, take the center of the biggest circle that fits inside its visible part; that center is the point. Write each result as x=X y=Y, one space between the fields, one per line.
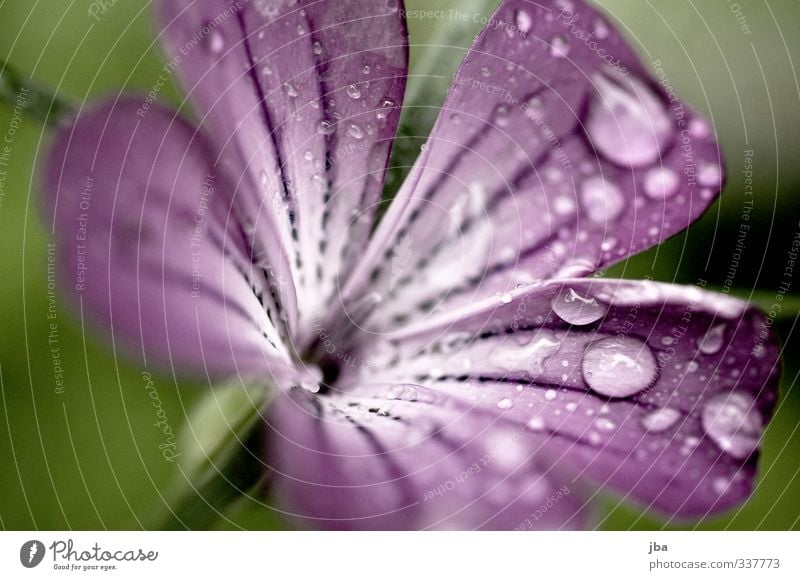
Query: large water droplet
x=661 y=183
x=575 y=308
x=618 y=366
x=627 y=122
x=713 y=340
x=353 y=92
x=601 y=199
x=660 y=420
x=733 y=423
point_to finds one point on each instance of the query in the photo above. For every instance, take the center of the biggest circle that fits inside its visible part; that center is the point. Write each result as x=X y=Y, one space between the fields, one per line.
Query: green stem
x=35 y=99
x=219 y=460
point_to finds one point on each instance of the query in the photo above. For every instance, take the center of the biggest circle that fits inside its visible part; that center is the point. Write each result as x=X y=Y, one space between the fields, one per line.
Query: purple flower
x=457 y=367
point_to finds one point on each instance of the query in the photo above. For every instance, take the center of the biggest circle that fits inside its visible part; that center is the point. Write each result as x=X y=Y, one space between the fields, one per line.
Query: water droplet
x=575 y=308
x=601 y=30
x=605 y=424
x=317 y=47
x=266 y=70
x=524 y=21
x=627 y=122
x=506 y=298
x=355 y=131
x=501 y=116
x=720 y=485
x=602 y=200
x=559 y=46
x=395 y=391
x=326 y=128
x=550 y=394
x=308 y=155
x=534 y=109
x=505 y=403
x=485 y=72
x=661 y=183
x=733 y=423
x=353 y=92
x=366 y=69
x=536 y=424
x=564 y=205
x=619 y=366
x=713 y=340
x=526 y=353
x=290 y=89
x=215 y=42
x=709 y=175
x=699 y=128
x=660 y=420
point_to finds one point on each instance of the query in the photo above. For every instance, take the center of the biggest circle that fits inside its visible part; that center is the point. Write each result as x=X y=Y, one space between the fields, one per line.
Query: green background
x=89 y=458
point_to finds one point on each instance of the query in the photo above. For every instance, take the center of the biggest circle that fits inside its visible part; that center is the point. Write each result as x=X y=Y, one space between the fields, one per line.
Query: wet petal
x=659 y=392
x=400 y=456
x=143 y=248
x=302 y=99
x=552 y=157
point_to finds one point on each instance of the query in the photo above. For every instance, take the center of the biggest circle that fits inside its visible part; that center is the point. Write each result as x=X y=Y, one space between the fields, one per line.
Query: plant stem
x=38 y=101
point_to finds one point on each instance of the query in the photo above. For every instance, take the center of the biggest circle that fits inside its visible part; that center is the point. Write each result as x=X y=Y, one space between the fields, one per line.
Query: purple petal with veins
x=449 y=369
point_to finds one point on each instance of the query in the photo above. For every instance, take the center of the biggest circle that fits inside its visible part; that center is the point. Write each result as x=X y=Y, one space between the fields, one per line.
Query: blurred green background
x=89 y=457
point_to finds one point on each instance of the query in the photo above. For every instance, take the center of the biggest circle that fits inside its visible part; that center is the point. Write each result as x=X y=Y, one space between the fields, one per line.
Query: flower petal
x=554 y=156
x=405 y=457
x=658 y=392
x=302 y=99
x=139 y=213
